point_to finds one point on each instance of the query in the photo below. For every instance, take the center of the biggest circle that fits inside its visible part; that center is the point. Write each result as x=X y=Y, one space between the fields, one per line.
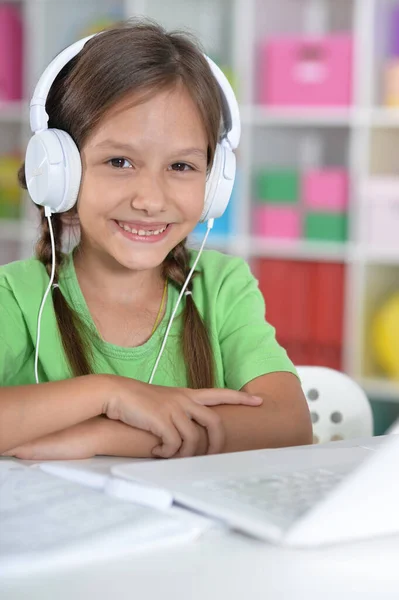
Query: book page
x=46 y=520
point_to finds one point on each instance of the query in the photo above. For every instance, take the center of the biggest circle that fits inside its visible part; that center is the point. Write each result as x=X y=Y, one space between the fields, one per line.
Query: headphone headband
x=234 y=123
x=53 y=166
x=37 y=115
x=39 y=118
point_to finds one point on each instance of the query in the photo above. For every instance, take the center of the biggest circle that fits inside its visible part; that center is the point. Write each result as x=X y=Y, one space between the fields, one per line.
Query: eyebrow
x=129 y=148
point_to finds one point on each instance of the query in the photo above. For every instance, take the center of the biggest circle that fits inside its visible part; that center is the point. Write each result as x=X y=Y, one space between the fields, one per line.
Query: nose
x=150 y=194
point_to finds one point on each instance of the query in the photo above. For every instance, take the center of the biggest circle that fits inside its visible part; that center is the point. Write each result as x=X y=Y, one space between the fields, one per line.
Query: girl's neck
x=113 y=282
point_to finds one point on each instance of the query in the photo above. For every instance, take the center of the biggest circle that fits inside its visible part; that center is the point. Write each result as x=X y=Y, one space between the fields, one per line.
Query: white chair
x=338 y=406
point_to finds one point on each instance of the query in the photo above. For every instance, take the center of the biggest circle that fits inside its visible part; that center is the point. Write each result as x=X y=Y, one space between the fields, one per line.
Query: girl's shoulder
x=22 y=275
x=218 y=269
x=21 y=289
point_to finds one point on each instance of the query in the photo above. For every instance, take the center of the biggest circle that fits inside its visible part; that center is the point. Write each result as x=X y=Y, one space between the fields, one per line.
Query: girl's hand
x=79 y=441
x=168 y=413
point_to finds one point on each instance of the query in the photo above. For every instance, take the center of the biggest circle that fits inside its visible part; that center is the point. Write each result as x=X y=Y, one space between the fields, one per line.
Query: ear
x=219 y=185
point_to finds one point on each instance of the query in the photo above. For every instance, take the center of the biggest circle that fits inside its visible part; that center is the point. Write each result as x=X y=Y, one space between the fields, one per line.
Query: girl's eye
x=120 y=163
x=180 y=166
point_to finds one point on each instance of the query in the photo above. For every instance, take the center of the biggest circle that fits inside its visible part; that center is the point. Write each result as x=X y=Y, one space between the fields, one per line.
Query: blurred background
x=315 y=209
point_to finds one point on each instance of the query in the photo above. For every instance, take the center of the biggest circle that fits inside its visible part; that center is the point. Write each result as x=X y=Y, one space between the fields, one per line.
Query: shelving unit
x=230 y=30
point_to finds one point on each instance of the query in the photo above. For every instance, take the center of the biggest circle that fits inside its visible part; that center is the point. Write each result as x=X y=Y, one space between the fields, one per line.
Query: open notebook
x=47 y=520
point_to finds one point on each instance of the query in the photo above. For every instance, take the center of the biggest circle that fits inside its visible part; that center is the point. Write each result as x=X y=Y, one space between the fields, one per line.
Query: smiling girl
x=146 y=113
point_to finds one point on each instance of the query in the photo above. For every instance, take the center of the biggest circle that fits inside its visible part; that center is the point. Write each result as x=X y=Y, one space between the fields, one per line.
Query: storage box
x=306 y=71
x=325 y=190
x=10 y=54
x=381 y=195
x=326 y=226
x=277 y=186
x=276 y=222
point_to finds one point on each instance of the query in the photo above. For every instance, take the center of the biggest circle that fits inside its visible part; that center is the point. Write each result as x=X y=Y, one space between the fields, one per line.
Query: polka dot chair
x=338 y=406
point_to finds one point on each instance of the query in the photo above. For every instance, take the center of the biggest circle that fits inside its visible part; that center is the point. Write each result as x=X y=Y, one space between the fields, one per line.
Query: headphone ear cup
x=219 y=185
x=53 y=170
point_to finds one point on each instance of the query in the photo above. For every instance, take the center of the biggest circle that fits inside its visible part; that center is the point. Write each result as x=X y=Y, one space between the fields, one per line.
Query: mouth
x=148 y=233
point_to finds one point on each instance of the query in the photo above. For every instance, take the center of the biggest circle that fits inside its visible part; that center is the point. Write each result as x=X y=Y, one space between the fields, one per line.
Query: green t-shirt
x=225 y=292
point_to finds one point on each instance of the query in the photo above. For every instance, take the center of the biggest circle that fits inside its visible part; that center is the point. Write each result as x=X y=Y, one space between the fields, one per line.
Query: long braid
x=195 y=342
x=70 y=326
x=43 y=246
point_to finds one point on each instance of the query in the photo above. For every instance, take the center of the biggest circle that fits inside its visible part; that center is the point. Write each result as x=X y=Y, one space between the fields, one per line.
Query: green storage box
x=331 y=227
x=278 y=186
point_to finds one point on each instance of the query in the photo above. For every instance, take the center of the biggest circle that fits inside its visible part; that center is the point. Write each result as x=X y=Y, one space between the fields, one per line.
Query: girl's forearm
x=117 y=439
x=33 y=411
x=282 y=419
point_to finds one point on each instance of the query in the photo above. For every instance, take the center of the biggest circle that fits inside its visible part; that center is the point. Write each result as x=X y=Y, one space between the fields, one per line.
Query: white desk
x=225 y=565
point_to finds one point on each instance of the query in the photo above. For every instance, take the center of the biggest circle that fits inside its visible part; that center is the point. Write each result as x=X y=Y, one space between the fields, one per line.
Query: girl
x=146 y=114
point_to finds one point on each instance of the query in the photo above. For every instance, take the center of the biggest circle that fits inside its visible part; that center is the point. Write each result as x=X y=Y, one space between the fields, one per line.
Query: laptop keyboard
x=282 y=498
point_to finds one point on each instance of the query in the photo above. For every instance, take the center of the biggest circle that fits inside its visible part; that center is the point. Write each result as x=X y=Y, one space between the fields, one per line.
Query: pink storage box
x=276 y=222
x=306 y=71
x=325 y=190
x=381 y=225
x=10 y=53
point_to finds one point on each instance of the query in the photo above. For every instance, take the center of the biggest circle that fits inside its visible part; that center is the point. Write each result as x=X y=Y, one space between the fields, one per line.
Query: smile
x=141 y=232
x=152 y=233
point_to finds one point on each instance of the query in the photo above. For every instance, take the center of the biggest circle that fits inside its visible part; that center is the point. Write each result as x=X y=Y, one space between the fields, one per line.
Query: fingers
x=189 y=438
x=214 y=426
x=197 y=410
x=170 y=438
x=189 y=434
x=214 y=397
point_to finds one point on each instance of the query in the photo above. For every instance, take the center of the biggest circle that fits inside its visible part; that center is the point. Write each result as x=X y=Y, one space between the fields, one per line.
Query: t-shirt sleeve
x=248 y=343
x=14 y=338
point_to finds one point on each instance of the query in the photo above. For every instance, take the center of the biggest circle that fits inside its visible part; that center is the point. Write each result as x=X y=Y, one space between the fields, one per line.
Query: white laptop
x=307 y=496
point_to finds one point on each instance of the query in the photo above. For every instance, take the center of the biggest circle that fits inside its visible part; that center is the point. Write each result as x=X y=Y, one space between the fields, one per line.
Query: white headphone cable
x=209 y=227
x=47 y=212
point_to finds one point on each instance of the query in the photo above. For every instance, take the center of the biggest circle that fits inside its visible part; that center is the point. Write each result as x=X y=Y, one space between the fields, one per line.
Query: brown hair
x=134 y=56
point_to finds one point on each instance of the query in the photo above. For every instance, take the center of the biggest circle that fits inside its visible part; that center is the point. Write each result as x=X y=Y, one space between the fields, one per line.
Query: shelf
x=384 y=117
x=232 y=244
x=300 y=249
x=383 y=256
x=263 y=115
x=14 y=112
x=257 y=247
x=298 y=116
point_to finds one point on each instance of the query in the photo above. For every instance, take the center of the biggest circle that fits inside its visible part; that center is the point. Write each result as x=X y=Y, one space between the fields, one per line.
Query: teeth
x=141 y=232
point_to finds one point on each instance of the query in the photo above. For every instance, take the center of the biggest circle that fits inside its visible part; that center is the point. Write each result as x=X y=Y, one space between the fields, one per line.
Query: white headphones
x=53 y=165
